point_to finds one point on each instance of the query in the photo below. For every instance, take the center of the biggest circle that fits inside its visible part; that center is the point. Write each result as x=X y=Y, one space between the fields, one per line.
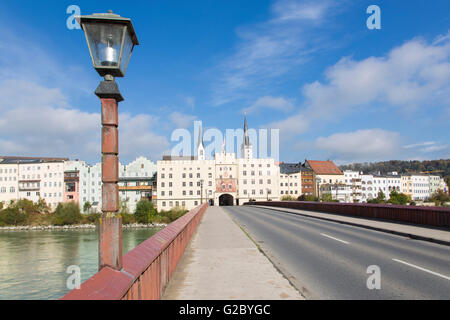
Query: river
x=33 y=264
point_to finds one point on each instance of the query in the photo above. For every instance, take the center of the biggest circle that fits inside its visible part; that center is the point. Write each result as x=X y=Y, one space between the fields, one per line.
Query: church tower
x=200 y=146
x=246 y=147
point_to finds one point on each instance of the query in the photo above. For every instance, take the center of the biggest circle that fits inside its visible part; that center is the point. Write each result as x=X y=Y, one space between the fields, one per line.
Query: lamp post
x=111 y=39
x=318 y=187
x=201 y=192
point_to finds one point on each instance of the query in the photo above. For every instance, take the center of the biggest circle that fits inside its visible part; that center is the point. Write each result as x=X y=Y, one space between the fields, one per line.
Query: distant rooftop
x=30 y=160
x=323 y=167
x=174 y=158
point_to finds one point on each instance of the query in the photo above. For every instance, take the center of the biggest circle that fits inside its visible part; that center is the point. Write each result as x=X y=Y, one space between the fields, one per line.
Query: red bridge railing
x=431 y=216
x=147 y=268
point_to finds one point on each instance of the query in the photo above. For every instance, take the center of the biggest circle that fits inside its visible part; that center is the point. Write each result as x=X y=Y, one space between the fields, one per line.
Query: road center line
x=423 y=269
x=325 y=235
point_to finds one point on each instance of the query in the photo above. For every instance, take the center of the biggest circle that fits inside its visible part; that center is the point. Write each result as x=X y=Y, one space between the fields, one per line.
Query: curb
x=399 y=233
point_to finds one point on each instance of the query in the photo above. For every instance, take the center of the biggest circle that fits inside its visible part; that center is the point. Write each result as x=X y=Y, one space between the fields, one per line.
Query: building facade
x=224 y=180
x=290 y=180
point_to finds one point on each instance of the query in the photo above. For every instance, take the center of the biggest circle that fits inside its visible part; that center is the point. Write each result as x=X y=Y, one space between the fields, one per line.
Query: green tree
x=398 y=198
x=87 y=207
x=439 y=197
x=13 y=216
x=67 y=213
x=327 y=197
x=145 y=211
x=123 y=207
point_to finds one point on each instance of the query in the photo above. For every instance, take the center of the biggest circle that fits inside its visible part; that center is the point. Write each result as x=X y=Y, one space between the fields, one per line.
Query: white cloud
x=190 y=101
x=291 y=126
x=181 y=120
x=42 y=123
x=412 y=75
x=420 y=144
x=37 y=118
x=275 y=103
x=369 y=144
x=442 y=38
x=290 y=10
x=271 y=49
x=427 y=147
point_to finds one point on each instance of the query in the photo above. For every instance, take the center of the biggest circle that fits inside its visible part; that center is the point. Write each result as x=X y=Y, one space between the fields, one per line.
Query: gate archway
x=226 y=200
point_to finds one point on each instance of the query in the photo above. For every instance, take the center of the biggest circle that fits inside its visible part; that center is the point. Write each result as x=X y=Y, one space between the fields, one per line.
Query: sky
x=334 y=88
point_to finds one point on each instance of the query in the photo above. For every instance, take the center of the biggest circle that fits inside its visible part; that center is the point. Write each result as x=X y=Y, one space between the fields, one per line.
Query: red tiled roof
x=324 y=167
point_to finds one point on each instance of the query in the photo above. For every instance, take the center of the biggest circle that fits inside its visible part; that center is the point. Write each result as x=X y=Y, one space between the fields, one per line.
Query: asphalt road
x=329 y=260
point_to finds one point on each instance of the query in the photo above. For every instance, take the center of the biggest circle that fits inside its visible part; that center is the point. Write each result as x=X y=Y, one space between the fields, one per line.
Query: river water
x=33 y=264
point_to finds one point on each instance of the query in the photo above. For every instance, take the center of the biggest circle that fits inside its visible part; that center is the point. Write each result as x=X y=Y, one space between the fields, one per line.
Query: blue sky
x=334 y=88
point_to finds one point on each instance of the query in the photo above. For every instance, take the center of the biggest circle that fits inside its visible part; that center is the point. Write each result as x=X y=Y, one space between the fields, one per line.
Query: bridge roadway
x=329 y=260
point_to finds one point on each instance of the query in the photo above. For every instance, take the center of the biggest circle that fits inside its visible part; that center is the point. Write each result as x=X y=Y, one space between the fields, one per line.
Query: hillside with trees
x=437 y=167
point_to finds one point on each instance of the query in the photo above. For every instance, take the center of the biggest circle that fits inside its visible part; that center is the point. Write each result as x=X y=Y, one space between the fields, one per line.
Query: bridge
x=287 y=250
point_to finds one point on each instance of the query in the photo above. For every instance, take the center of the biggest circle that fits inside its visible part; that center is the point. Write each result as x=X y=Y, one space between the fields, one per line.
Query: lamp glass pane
x=105 y=40
x=126 y=51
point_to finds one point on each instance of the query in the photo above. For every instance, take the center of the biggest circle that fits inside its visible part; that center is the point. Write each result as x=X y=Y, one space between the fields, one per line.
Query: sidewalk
x=432 y=234
x=222 y=263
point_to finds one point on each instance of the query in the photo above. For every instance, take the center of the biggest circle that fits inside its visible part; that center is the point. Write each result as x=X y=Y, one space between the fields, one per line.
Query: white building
x=32 y=179
x=132 y=181
x=417 y=186
x=290 y=180
x=136 y=182
x=435 y=184
x=225 y=180
x=354 y=180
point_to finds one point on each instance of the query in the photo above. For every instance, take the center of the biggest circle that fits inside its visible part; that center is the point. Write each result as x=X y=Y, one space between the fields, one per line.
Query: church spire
x=200 y=146
x=246 y=147
x=246 y=137
x=200 y=138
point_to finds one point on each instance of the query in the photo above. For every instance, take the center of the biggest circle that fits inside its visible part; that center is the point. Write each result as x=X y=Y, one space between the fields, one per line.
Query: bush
x=439 y=197
x=128 y=218
x=13 y=216
x=287 y=198
x=398 y=198
x=176 y=213
x=327 y=197
x=145 y=211
x=308 y=197
x=67 y=213
x=91 y=217
x=87 y=207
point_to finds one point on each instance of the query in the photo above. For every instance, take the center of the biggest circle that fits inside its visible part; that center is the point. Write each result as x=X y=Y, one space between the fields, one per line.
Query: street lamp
x=111 y=39
x=318 y=187
x=201 y=192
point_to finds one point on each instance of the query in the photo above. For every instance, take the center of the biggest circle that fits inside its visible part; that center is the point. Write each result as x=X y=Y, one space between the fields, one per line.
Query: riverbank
x=80 y=226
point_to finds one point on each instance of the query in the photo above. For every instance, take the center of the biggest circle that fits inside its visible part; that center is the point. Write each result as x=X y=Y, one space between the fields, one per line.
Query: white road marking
x=423 y=269
x=325 y=235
